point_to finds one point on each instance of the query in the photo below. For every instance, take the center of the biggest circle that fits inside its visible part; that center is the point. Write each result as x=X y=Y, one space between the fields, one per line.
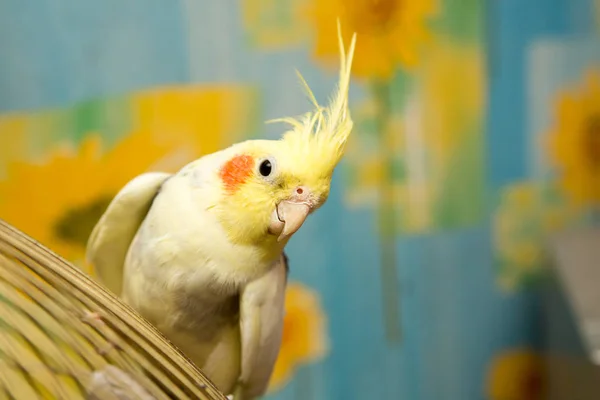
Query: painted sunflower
x=516 y=375
x=58 y=198
x=390 y=32
x=574 y=144
x=304 y=334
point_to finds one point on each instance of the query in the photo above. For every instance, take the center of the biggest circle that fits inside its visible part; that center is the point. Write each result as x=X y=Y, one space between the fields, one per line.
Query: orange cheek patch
x=236 y=171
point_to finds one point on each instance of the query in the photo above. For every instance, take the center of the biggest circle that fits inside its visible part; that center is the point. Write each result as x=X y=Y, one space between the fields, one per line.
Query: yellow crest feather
x=322 y=134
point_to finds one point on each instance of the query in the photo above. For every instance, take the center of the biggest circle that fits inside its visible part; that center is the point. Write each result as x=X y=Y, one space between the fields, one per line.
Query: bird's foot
x=94 y=319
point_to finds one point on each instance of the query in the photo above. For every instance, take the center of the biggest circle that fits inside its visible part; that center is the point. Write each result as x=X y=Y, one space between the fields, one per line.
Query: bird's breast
x=205 y=312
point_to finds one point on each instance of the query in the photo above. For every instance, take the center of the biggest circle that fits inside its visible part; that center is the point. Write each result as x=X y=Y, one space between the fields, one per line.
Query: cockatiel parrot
x=200 y=253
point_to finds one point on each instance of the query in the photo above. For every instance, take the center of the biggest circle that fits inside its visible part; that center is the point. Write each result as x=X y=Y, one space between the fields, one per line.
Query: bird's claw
x=92 y=318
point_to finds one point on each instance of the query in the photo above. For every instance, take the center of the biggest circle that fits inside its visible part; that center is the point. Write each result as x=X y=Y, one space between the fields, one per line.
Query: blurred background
x=477 y=137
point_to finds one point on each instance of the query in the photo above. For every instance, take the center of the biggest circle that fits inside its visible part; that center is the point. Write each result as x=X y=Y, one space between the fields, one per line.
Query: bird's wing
x=110 y=240
x=63 y=336
x=262 y=310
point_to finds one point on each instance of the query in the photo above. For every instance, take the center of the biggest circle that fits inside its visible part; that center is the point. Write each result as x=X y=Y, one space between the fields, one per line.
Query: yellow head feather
x=319 y=137
x=306 y=155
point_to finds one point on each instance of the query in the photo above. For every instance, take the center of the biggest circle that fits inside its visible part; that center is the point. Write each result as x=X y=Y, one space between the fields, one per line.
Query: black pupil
x=265 y=168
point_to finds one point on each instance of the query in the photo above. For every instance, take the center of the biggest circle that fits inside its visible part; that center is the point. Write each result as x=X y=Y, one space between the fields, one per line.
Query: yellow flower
x=304 y=334
x=57 y=199
x=390 y=32
x=522 y=221
x=516 y=375
x=516 y=226
x=575 y=141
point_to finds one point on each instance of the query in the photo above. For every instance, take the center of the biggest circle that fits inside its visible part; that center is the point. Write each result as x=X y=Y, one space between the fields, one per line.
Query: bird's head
x=270 y=186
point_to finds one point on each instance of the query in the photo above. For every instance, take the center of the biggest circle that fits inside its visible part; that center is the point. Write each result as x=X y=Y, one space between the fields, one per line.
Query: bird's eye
x=265 y=168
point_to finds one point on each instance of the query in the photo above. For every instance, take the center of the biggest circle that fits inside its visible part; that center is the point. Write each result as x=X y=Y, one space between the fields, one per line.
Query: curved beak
x=287 y=218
